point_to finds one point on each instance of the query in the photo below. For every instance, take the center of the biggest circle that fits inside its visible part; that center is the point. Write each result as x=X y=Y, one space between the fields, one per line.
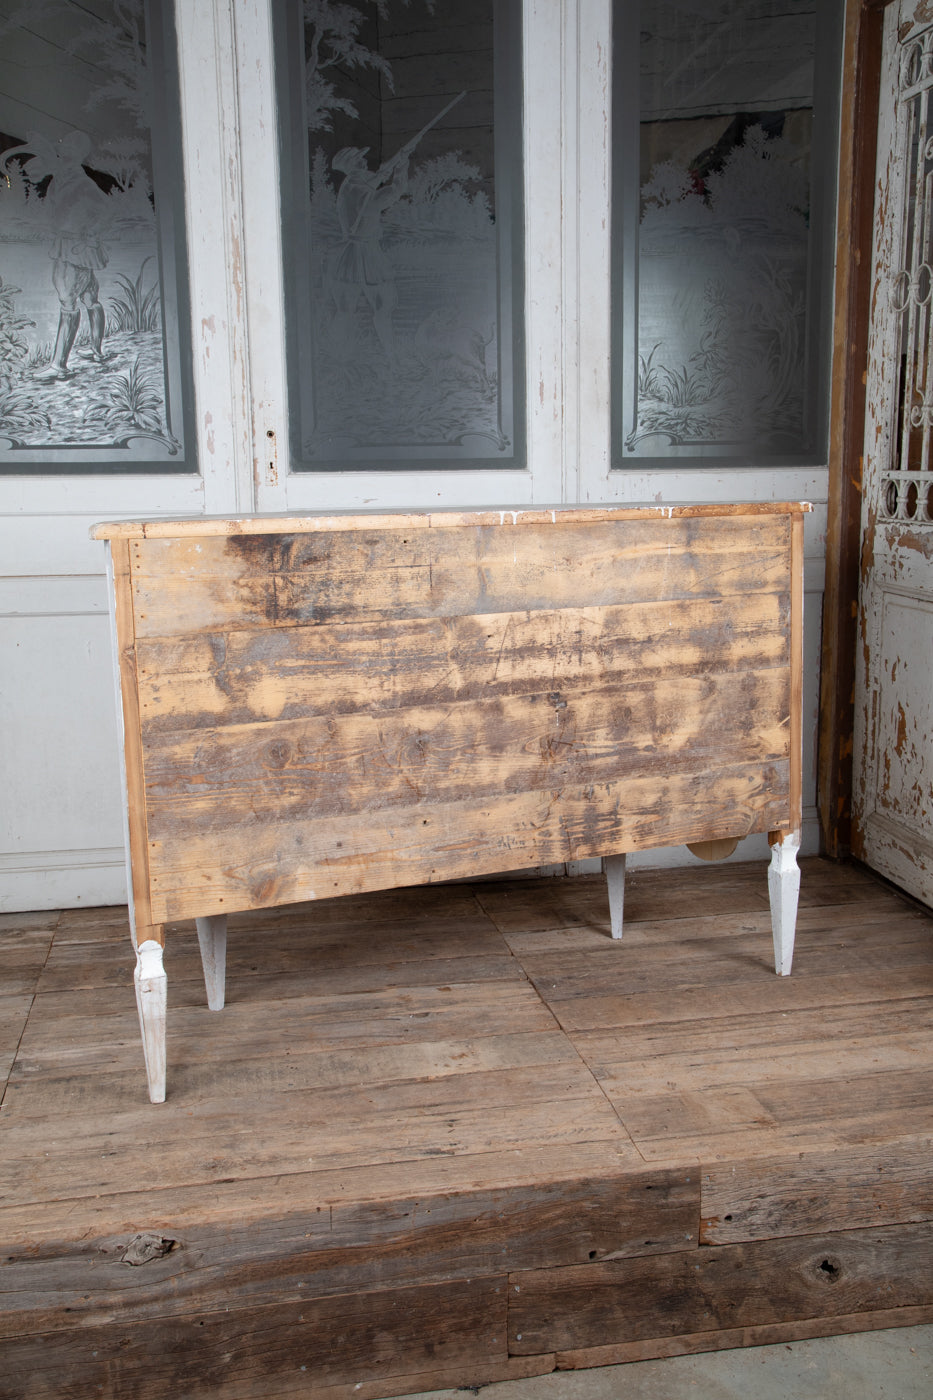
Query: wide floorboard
x=454 y=1134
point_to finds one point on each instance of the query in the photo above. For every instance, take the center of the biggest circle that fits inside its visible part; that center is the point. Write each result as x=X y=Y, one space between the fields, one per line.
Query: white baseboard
x=31 y=880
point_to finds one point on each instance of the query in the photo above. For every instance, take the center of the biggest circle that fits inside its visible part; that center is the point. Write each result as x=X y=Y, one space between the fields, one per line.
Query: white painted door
x=894 y=687
x=560 y=43
x=61 y=827
x=60 y=821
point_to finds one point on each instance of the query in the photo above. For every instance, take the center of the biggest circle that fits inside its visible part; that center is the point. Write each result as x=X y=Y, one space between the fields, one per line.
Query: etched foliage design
x=402 y=354
x=721 y=332
x=718 y=346
x=907 y=488
x=83 y=349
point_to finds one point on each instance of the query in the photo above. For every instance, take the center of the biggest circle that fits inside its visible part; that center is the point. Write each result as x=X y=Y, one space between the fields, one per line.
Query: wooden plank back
x=333 y=706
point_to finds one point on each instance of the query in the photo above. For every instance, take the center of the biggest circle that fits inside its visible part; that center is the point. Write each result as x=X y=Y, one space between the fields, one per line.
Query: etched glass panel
x=723 y=124
x=402 y=181
x=90 y=239
x=907 y=489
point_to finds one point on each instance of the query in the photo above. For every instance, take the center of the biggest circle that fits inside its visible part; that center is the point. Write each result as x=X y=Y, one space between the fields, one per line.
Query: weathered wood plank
x=256 y=674
x=582 y=925
x=77 y=1028
x=348 y=1248
x=332 y=767
x=312 y=961
x=769 y=1334
x=741 y=1285
x=795 y=712
x=777 y=1197
x=14 y=1011
x=354 y=576
x=370 y=1193
x=746 y=1049
x=168 y=528
x=691 y=1003
x=246 y=1063
x=23 y=955
x=770 y=1118
x=725 y=949
x=124 y=625
x=381 y=1333
x=280 y=862
x=328 y=1130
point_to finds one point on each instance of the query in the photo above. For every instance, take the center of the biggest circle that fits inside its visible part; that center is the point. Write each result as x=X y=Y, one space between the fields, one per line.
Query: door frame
x=854 y=235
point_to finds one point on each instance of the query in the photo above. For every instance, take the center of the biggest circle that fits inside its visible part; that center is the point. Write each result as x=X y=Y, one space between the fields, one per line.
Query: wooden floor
x=455 y=1134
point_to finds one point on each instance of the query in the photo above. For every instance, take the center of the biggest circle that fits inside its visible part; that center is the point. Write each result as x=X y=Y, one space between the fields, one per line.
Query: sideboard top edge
x=169 y=527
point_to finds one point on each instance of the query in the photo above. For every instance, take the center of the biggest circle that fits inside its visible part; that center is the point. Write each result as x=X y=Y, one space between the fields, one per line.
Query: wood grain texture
x=328 y=708
x=334 y=765
x=275 y=862
x=741 y=1285
x=167 y=528
x=353 y=1247
x=768 y=1334
x=257 y=675
x=124 y=625
x=859 y=1186
x=354 y=576
x=412 y=1100
x=385 y=1332
x=858 y=113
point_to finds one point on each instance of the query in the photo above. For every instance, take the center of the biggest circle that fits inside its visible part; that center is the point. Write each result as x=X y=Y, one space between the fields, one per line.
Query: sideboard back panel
x=343 y=708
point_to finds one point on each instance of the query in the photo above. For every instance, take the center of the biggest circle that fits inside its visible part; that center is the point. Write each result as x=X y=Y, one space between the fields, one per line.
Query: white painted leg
x=151 y=995
x=614 y=870
x=212 y=936
x=784 y=891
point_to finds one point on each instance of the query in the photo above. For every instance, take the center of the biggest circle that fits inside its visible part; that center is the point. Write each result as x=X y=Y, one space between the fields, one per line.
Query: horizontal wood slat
x=283 y=581
x=428 y=755
x=206 y=526
x=719 y=1287
x=281 y=861
x=261 y=674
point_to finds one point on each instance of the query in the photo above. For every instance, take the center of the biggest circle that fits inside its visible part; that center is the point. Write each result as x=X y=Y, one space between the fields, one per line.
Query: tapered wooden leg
x=212 y=936
x=784 y=892
x=151 y=997
x=614 y=870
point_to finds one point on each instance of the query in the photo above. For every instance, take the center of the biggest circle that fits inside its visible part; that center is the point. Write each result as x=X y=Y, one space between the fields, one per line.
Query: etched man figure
x=361 y=268
x=76 y=209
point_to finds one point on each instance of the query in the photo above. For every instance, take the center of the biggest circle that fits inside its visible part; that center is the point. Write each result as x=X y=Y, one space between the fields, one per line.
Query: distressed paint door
x=894 y=683
x=61 y=830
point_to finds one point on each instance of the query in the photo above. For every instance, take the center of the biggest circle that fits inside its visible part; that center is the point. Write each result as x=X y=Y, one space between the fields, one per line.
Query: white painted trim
x=263 y=280
x=151 y=1001
x=550 y=87
x=591 y=136
x=62 y=879
x=214 y=221
x=548 y=321
x=51 y=595
x=784 y=894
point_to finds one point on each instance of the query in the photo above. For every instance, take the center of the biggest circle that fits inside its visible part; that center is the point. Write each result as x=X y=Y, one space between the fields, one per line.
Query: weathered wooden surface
x=417 y=1131
x=327 y=707
x=712 y=1289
